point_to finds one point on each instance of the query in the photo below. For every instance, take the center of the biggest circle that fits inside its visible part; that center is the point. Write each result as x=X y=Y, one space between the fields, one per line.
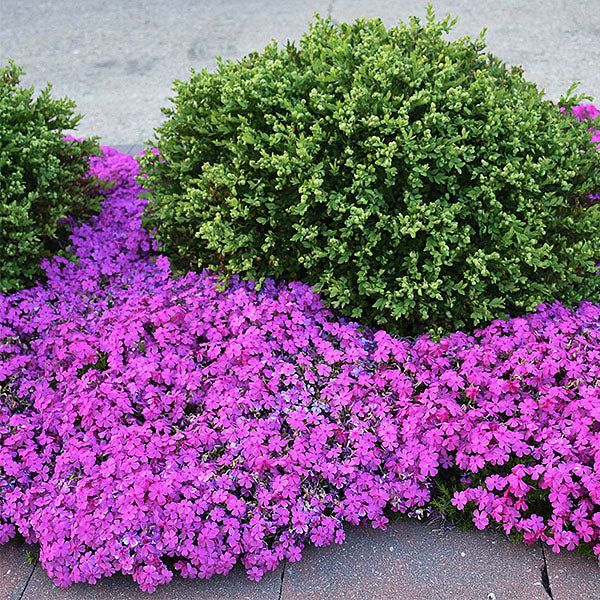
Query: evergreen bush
x=418 y=184
x=42 y=178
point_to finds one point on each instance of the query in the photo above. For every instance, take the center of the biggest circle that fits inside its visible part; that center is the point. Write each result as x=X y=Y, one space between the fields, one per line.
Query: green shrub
x=41 y=178
x=417 y=183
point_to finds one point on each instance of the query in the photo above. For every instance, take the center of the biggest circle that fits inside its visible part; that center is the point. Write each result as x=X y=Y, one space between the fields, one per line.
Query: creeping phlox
x=589 y=112
x=150 y=421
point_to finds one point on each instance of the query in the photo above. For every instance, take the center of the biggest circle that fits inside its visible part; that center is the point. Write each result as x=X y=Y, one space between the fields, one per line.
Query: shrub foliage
x=41 y=178
x=152 y=423
x=417 y=183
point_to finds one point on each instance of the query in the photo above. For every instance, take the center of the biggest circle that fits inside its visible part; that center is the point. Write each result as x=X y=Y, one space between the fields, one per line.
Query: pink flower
x=150 y=414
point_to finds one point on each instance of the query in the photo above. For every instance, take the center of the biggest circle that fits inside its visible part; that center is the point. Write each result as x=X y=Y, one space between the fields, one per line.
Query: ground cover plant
x=416 y=183
x=152 y=423
x=41 y=178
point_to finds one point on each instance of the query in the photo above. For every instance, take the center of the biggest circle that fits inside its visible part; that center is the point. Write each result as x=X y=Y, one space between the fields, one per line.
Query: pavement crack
x=281 y=584
x=544 y=571
x=35 y=564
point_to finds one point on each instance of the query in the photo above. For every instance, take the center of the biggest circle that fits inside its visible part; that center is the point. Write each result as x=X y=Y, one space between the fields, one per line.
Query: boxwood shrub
x=42 y=178
x=419 y=184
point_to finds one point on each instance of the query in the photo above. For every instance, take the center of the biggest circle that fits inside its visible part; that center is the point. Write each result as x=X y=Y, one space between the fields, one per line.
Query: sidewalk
x=117 y=60
x=132 y=149
x=411 y=560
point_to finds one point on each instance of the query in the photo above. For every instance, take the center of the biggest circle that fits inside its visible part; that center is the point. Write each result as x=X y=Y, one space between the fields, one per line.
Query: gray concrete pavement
x=118 y=60
x=235 y=585
x=412 y=560
x=15 y=570
x=417 y=561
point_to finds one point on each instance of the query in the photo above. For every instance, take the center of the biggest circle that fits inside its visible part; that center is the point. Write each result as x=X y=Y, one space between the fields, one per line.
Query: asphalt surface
x=118 y=60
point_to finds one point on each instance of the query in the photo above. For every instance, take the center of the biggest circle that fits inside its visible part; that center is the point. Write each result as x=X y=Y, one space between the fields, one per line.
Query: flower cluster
x=589 y=112
x=150 y=421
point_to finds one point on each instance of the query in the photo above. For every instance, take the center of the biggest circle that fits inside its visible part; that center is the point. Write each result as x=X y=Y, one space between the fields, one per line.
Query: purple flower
x=149 y=415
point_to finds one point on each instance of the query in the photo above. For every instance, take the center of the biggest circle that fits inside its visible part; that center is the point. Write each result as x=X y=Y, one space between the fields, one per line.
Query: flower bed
x=151 y=421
